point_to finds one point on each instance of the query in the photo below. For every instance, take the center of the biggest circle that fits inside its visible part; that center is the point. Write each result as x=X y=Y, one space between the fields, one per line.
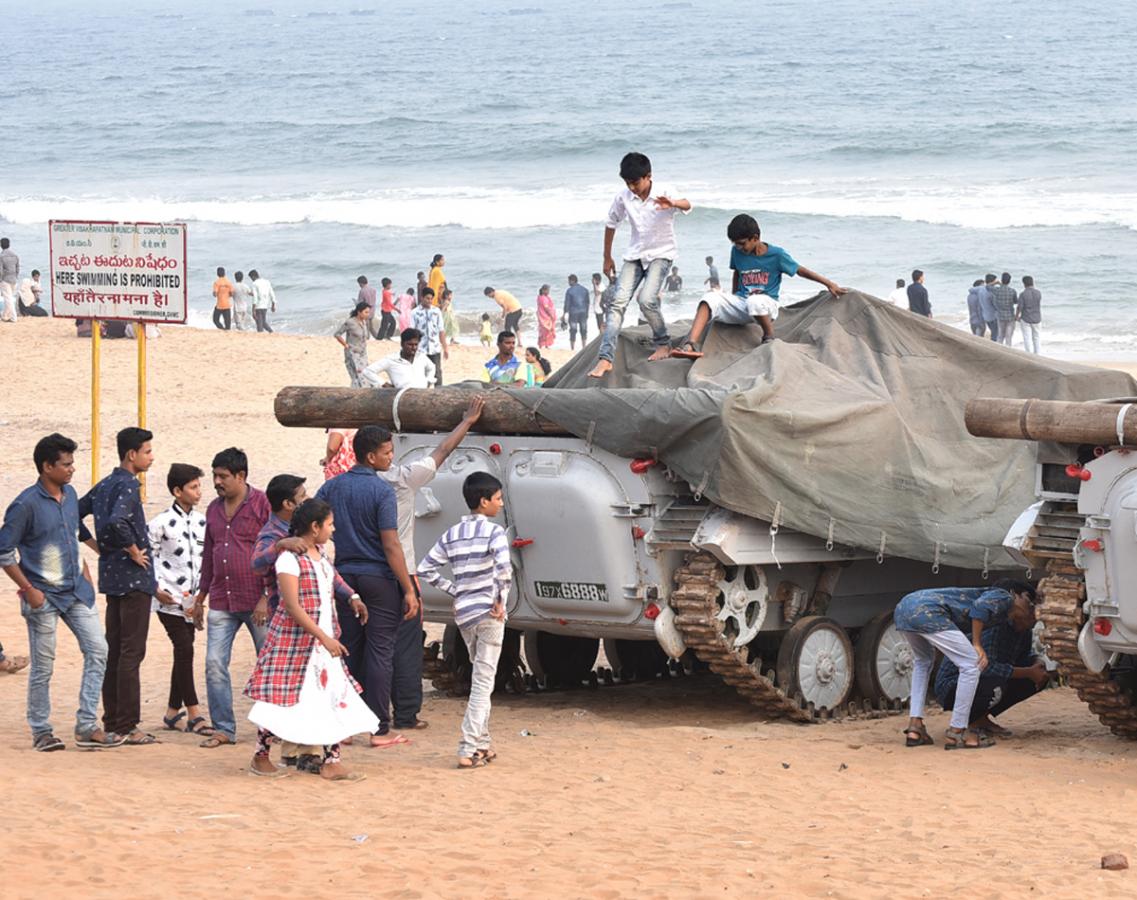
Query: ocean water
x=317 y=140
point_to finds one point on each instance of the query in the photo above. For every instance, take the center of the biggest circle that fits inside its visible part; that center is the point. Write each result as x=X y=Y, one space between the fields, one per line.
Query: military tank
x=759 y=511
x=1080 y=533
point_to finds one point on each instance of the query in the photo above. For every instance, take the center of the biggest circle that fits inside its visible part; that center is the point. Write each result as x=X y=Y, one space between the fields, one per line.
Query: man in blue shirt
x=577 y=301
x=126 y=576
x=370 y=559
x=39 y=551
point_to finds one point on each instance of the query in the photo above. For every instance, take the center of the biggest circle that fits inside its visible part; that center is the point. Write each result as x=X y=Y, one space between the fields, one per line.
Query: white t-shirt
x=653 y=228
x=289 y=564
x=898 y=297
x=29 y=291
x=400 y=372
x=406 y=481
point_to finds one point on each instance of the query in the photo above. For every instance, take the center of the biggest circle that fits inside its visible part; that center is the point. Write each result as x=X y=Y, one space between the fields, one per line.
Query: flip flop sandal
x=395 y=741
x=88 y=742
x=172 y=722
x=276 y=773
x=192 y=727
x=217 y=739
x=14 y=664
x=487 y=756
x=46 y=743
x=475 y=762
x=958 y=741
x=141 y=740
x=923 y=739
x=309 y=763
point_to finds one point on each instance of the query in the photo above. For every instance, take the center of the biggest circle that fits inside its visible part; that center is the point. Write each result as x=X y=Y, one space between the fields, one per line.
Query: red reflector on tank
x=495 y=449
x=1093 y=545
x=652 y=611
x=639 y=466
x=1103 y=627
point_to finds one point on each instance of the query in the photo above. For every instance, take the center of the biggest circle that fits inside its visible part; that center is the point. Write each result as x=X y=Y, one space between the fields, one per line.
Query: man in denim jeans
x=650 y=209
x=39 y=551
x=235 y=591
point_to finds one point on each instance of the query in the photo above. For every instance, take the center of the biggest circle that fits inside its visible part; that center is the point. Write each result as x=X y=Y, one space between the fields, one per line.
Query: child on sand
x=449 y=320
x=486 y=334
x=478 y=553
x=301 y=686
x=757 y=279
x=650 y=208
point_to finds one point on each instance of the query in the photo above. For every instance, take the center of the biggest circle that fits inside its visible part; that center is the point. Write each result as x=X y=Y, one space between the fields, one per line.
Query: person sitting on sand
x=39 y=551
x=303 y=691
x=757 y=280
x=650 y=208
x=410 y=367
x=177 y=536
x=505 y=369
x=480 y=590
x=29 y=296
x=1013 y=673
x=352 y=336
x=943 y=619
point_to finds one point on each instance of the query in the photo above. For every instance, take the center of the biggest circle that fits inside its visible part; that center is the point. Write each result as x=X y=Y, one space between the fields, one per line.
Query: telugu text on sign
x=118 y=270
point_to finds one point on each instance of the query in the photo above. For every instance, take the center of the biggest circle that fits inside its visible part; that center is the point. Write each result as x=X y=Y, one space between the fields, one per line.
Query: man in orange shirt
x=510 y=308
x=223 y=294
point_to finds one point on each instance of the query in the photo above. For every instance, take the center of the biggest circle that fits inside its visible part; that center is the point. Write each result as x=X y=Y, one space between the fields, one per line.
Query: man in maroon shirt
x=235 y=591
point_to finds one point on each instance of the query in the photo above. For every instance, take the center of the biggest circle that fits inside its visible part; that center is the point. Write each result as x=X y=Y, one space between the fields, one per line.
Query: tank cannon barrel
x=1108 y=424
x=439 y=409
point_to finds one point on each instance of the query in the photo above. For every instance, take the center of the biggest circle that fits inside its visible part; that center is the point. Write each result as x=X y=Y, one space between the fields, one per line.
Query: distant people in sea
x=597 y=298
x=546 y=317
x=1006 y=300
x=757 y=281
x=987 y=306
x=352 y=336
x=29 y=296
x=388 y=323
x=421 y=286
x=712 y=272
x=674 y=283
x=264 y=300
x=510 y=308
x=368 y=295
x=405 y=307
x=975 y=308
x=607 y=298
x=9 y=276
x=899 y=294
x=577 y=303
x=449 y=319
x=428 y=320
x=222 y=301
x=1030 y=316
x=436 y=280
x=505 y=368
x=410 y=367
x=539 y=368
x=650 y=209
x=918 y=301
x=242 y=302
x=485 y=333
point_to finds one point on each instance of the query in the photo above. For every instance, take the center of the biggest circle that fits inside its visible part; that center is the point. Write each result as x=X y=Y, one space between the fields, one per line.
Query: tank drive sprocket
x=1063 y=592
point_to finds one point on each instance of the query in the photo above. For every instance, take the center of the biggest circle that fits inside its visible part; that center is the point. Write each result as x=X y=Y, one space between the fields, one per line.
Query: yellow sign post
x=96 y=349
x=140 y=331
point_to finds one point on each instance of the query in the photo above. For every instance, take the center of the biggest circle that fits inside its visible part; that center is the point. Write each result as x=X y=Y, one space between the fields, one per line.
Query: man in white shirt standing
x=650 y=209
x=407 y=480
x=899 y=295
x=407 y=368
x=264 y=300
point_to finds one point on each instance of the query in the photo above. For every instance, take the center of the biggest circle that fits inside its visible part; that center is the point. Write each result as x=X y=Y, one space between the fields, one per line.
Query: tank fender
x=1019 y=532
x=737 y=540
x=668 y=635
x=1095 y=658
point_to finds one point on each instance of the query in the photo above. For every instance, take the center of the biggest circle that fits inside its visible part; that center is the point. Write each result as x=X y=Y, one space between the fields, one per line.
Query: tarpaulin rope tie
x=1121 y=424
x=936 y=560
x=774 y=523
x=395 y=408
x=589 y=434
x=880 y=553
x=829 y=536
x=702 y=485
x=986 y=561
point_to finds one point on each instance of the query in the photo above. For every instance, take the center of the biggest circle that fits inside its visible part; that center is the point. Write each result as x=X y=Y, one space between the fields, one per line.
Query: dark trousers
x=993 y=327
x=181 y=633
x=406 y=689
x=371 y=647
x=223 y=318
x=260 y=316
x=387 y=326
x=513 y=321
x=128 y=624
x=436 y=358
x=578 y=323
x=1011 y=692
x=34 y=310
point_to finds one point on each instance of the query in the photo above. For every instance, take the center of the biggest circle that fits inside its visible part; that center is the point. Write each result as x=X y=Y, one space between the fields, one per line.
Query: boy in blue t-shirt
x=757 y=281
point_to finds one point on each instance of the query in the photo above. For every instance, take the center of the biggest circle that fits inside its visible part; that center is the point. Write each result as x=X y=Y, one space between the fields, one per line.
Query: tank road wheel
x=560 y=660
x=742 y=603
x=883 y=662
x=816 y=660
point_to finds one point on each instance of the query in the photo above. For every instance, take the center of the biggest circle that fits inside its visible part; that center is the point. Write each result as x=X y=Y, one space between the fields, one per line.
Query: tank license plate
x=571 y=590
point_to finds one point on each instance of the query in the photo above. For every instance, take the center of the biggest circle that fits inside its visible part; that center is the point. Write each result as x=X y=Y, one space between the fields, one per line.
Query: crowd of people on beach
x=340 y=648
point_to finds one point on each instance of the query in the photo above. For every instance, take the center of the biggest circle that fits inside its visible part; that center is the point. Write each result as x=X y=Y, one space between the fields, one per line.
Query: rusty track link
x=1061 y=613
x=694 y=600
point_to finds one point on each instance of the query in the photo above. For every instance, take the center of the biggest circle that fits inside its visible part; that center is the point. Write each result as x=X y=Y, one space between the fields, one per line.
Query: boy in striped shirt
x=477 y=551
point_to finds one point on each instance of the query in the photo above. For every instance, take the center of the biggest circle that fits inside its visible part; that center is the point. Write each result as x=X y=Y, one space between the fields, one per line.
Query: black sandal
x=957 y=740
x=191 y=727
x=921 y=739
x=47 y=742
x=172 y=722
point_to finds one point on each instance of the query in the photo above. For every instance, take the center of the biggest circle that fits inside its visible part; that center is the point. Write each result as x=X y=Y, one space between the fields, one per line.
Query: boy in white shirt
x=650 y=209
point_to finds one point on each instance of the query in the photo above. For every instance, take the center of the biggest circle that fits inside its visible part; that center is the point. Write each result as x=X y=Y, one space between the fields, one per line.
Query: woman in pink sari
x=546 y=318
x=406 y=307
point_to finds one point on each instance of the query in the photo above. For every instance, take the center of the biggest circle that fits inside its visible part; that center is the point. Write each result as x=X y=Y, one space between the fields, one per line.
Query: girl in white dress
x=303 y=690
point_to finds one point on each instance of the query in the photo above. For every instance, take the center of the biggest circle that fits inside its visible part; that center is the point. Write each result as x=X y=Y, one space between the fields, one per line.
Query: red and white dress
x=303 y=693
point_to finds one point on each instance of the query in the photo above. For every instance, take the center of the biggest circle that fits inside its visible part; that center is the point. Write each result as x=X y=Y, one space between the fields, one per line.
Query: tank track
x=1063 y=592
x=696 y=590
x=442 y=677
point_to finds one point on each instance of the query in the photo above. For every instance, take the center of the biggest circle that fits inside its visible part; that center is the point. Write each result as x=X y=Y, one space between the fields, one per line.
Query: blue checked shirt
x=942 y=609
x=1006 y=650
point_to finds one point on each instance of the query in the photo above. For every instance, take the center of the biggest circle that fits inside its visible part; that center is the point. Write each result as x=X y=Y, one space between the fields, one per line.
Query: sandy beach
x=664 y=789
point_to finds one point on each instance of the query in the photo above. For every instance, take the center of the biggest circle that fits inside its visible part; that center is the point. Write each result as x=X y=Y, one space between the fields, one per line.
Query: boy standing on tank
x=650 y=209
x=477 y=551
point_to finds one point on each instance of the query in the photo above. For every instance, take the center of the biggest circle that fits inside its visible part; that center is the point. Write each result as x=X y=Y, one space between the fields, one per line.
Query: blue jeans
x=644 y=283
x=88 y=630
x=223 y=628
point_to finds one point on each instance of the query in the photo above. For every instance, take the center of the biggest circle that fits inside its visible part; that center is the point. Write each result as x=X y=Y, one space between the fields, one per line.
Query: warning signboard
x=118 y=270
